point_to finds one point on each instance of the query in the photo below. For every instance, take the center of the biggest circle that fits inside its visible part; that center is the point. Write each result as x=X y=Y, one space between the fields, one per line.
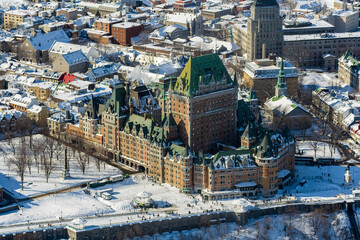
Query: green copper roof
x=199 y=70
x=176 y=150
x=354 y=62
x=147 y=126
x=244 y=114
x=281 y=82
x=266 y=148
x=238 y=161
x=265 y=3
x=116 y=103
x=249 y=131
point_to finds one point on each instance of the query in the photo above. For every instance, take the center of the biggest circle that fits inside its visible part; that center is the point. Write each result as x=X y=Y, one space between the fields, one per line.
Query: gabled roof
x=139 y=124
x=201 y=69
x=76 y=57
x=92 y=109
x=45 y=41
x=284 y=105
x=116 y=103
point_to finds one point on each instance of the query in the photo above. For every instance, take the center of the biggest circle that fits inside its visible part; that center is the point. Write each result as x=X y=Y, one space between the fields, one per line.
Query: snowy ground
x=319 y=186
x=316 y=80
x=322 y=182
x=279 y=227
x=323 y=150
x=35 y=183
x=66 y=205
x=12 y=3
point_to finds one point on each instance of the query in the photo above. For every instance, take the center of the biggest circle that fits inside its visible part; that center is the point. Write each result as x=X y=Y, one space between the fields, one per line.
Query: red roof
x=67 y=78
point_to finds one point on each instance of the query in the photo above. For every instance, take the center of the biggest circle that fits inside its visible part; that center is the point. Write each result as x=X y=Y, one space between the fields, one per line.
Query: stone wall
x=181 y=223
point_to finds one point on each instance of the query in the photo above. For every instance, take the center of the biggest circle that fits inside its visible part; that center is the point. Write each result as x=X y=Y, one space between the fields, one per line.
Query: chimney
x=264 y=50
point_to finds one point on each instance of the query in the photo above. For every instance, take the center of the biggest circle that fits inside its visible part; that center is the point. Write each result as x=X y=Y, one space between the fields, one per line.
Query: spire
x=230 y=34
x=281 y=88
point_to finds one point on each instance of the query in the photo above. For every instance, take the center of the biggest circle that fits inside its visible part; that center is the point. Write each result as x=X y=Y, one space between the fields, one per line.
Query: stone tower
x=280 y=88
x=264 y=30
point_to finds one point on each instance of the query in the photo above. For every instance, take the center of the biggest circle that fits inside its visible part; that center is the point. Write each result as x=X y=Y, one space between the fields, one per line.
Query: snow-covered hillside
x=316 y=225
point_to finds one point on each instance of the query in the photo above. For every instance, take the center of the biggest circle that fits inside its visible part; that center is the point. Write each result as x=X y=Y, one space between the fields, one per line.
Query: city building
x=348 y=70
x=71 y=62
x=124 y=31
x=299 y=26
x=216 y=12
x=344 y=20
x=202 y=97
x=36 y=49
x=282 y=111
x=309 y=50
x=262 y=75
x=105 y=24
x=263 y=33
x=39 y=114
x=14 y=17
x=188 y=145
x=41 y=90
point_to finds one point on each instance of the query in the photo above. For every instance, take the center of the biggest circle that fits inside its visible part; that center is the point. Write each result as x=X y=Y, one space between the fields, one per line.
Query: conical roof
x=266 y=148
x=249 y=131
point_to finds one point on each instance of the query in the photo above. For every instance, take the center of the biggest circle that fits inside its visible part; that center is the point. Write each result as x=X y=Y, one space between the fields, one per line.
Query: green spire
x=281 y=83
x=230 y=34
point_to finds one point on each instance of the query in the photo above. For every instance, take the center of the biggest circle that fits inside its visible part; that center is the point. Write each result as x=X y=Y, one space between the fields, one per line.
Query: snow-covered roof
x=35 y=109
x=44 y=42
x=76 y=57
x=323 y=36
x=283 y=104
x=23 y=101
x=8 y=114
x=246 y=184
x=126 y=25
x=63 y=48
x=283 y=173
x=181 y=18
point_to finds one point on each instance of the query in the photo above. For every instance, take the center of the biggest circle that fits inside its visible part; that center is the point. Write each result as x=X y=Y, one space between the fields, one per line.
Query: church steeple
x=281 y=88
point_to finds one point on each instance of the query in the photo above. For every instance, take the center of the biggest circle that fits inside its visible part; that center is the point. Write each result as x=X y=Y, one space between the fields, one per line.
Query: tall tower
x=264 y=30
x=281 y=88
x=203 y=103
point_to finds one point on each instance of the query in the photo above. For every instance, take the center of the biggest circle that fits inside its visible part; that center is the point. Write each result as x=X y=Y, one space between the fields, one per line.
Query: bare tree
x=98 y=164
x=316 y=220
x=48 y=167
x=58 y=151
x=50 y=147
x=11 y=142
x=29 y=162
x=82 y=161
x=36 y=154
x=315 y=146
x=30 y=126
x=19 y=161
